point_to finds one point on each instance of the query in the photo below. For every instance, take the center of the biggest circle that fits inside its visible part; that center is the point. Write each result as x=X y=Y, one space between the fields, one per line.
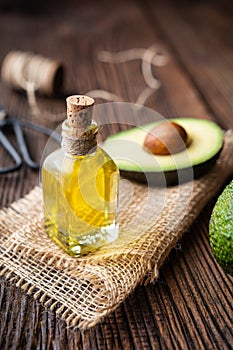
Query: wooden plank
x=200 y=36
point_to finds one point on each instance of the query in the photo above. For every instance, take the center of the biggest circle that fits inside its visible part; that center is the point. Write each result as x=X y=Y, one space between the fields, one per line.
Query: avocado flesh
x=221 y=229
x=126 y=148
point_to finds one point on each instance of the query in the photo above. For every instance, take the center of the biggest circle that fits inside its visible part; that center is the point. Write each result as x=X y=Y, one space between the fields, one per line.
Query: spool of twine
x=22 y=68
x=79 y=131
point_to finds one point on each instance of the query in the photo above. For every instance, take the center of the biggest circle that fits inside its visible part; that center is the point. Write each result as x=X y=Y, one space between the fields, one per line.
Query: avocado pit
x=166 y=138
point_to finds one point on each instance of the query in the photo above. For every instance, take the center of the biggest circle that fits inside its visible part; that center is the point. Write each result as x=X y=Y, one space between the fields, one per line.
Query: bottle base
x=86 y=243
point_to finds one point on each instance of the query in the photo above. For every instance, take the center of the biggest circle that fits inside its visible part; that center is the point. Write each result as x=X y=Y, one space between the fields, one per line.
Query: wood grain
x=190 y=306
x=192 y=30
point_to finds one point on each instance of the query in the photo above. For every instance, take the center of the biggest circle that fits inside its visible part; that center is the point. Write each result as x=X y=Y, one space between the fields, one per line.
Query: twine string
x=105 y=95
x=30 y=89
x=147 y=60
x=79 y=144
x=160 y=58
x=153 y=56
x=33 y=73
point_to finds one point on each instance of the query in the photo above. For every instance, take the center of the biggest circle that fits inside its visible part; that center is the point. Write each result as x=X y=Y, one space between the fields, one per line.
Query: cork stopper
x=79 y=111
x=79 y=131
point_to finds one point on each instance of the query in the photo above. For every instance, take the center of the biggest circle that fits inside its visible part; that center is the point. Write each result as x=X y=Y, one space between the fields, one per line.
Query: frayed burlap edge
x=83 y=290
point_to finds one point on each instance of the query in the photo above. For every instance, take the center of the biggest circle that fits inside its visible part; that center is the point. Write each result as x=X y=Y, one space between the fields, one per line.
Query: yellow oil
x=80 y=200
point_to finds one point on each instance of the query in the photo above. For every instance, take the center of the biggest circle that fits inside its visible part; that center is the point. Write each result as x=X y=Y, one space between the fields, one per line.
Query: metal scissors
x=17 y=126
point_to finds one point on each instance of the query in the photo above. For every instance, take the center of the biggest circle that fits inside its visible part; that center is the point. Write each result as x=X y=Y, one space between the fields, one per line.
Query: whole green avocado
x=221 y=229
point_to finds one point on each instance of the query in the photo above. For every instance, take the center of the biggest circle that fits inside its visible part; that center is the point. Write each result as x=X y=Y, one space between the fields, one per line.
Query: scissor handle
x=12 y=152
x=42 y=130
x=17 y=125
x=22 y=144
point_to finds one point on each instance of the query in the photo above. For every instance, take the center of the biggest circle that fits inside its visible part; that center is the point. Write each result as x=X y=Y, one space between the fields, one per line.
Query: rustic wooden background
x=190 y=306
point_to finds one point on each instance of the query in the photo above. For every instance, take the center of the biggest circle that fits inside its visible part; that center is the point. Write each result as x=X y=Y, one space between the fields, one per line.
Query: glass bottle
x=80 y=185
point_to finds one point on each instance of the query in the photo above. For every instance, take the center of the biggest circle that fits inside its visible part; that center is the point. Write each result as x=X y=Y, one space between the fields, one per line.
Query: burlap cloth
x=83 y=290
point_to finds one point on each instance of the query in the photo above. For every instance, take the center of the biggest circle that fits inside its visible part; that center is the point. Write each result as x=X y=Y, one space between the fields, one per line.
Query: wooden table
x=190 y=305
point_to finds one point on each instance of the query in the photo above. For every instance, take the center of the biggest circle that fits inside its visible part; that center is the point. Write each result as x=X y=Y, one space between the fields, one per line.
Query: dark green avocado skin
x=221 y=230
x=172 y=178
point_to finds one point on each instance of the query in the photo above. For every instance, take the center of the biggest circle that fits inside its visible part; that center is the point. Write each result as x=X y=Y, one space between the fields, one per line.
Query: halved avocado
x=126 y=148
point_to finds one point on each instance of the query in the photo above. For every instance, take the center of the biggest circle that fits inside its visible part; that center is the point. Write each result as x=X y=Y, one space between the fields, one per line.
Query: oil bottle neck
x=79 y=142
